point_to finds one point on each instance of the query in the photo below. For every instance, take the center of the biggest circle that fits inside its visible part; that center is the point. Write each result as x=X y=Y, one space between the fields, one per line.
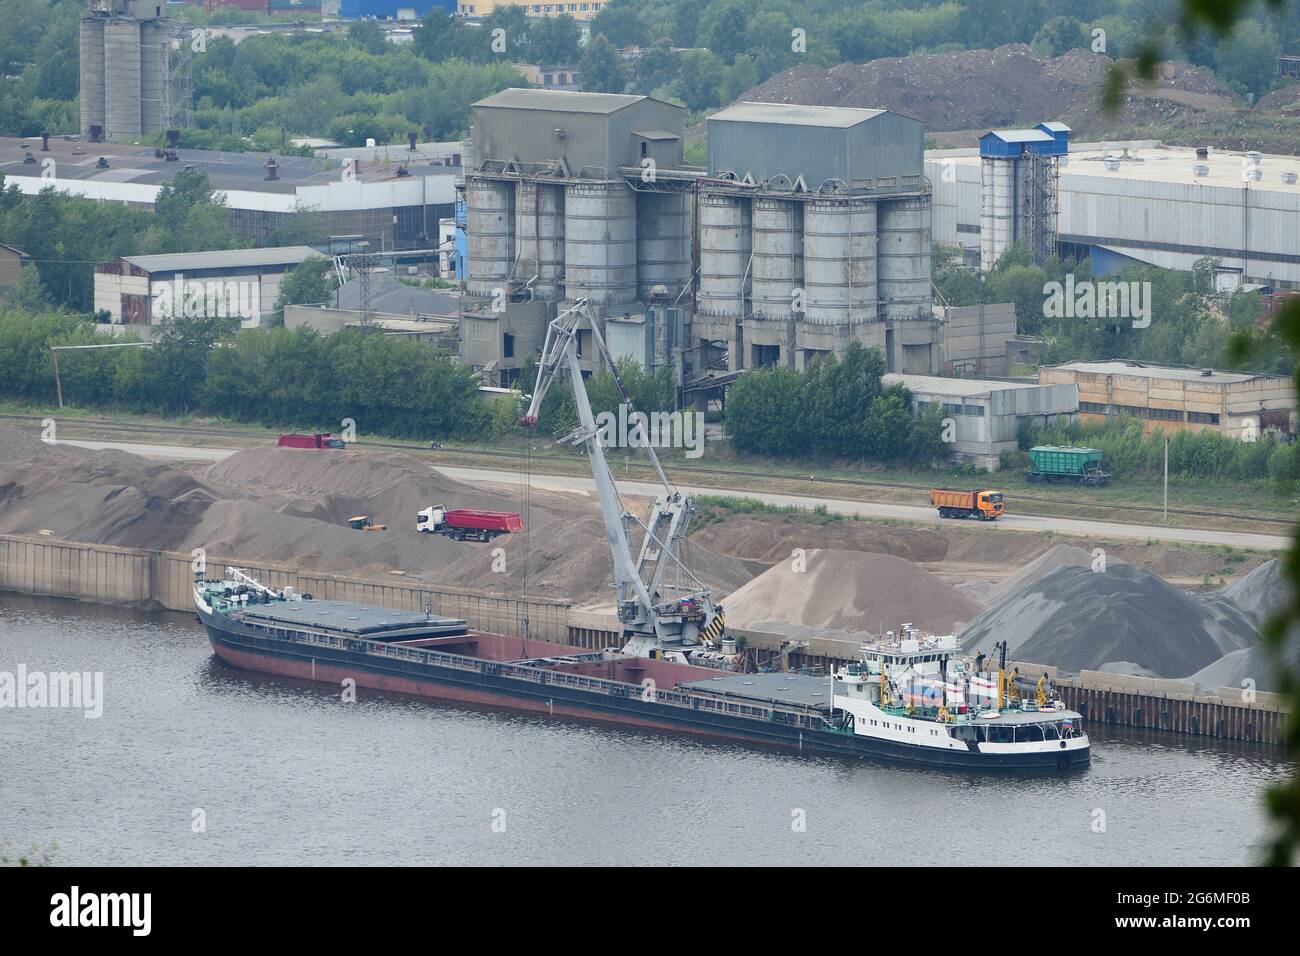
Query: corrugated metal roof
x=654 y=134
x=791 y=114
x=1020 y=135
x=1056 y=127
x=222 y=259
x=561 y=101
x=965 y=387
x=1163 y=371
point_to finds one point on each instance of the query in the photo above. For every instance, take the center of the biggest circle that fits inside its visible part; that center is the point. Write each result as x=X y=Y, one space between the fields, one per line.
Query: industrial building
x=814 y=232
x=975 y=338
x=986 y=415
x=128 y=289
x=1018 y=190
x=134 y=70
x=1169 y=397
x=558 y=208
x=11 y=265
x=1142 y=202
x=390 y=203
x=584 y=10
x=809 y=230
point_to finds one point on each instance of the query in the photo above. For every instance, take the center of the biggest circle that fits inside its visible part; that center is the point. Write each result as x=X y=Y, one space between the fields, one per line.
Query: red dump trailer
x=462 y=523
x=295 y=440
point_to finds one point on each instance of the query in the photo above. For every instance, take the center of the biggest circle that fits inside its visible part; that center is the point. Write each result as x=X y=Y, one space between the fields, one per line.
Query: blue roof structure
x=1046 y=139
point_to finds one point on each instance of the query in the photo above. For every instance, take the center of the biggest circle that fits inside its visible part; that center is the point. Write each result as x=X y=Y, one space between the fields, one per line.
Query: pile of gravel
x=1124 y=619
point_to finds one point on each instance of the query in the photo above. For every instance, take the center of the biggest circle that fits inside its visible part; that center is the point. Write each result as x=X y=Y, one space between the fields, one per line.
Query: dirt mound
x=849 y=591
x=771 y=539
x=1285 y=100
x=1079 y=619
x=1256 y=664
x=1011 y=85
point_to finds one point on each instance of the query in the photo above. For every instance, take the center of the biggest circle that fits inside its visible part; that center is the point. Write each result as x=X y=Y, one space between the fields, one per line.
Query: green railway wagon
x=1079 y=465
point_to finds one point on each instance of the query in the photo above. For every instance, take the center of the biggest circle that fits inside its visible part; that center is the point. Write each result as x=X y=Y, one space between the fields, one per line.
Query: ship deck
x=355 y=620
x=787 y=690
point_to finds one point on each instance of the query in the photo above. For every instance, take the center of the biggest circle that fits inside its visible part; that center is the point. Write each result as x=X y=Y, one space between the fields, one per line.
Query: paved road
x=916 y=513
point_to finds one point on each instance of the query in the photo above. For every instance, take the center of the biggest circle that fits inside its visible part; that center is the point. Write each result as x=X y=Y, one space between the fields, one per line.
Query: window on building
x=508 y=345
x=1167 y=414
x=1093 y=408
x=1203 y=418
x=963 y=227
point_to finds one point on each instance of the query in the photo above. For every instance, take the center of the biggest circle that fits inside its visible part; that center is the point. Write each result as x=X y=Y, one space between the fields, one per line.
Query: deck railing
x=546 y=677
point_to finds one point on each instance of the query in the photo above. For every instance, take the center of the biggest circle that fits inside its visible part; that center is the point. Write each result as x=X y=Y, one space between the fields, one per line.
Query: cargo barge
x=867 y=710
x=909 y=700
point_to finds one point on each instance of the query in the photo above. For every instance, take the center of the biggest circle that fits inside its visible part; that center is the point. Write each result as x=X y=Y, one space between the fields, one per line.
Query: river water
x=195 y=763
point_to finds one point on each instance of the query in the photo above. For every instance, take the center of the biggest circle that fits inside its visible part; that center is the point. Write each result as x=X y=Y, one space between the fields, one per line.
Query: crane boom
x=654 y=621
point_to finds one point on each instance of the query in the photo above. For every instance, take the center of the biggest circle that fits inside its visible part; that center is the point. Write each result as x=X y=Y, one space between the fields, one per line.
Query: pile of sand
x=291 y=506
x=774 y=538
x=849 y=591
x=1125 y=617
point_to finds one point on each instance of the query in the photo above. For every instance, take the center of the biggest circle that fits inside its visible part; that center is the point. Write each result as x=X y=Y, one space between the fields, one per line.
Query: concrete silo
x=778 y=283
x=600 y=243
x=91 y=70
x=663 y=245
x=122 y=78
x=588 y=218
x=903 y=255
x=489 y=235
x=1018 y=190
x=539 y=238
x=134 y=70
x=850 y=172
x=839 y=272
x=725 y=247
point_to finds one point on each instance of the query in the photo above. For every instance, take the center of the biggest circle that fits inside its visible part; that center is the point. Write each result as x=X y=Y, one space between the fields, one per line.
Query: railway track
x=129 y=428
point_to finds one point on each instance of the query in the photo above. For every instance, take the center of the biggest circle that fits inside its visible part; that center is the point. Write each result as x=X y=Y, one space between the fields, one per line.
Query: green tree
x=555 y=40
x=1248 y=57
x=888 y=429
x=311 y=282
x=602 y=68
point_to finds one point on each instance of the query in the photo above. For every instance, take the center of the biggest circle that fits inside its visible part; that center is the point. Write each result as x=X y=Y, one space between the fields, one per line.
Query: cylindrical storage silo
x=600 y=243
x=91 y=45
x=1004 y=206
x=986 y=215
x=539 y=237
x=903 y=257
x=489 y=234
x=778 y=256
x=153 y=75
x=663 y=244
x=724 y=253
x=839 y=261
x=122 y=80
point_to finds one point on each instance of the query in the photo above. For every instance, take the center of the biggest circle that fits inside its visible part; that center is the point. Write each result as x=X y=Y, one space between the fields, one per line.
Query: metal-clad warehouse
x=592 y=134
x=821 y=143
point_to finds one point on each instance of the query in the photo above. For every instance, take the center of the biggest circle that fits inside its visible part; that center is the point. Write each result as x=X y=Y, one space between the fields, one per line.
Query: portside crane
x=664 y=610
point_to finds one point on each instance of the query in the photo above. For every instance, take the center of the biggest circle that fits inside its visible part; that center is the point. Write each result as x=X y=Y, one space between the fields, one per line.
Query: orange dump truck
x=983 y=504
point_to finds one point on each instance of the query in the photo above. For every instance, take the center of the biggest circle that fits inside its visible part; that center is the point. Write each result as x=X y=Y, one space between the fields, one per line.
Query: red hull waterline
x=329 y=674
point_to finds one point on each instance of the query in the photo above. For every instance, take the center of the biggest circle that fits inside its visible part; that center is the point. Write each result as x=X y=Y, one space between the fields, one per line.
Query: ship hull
x=245 y=648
